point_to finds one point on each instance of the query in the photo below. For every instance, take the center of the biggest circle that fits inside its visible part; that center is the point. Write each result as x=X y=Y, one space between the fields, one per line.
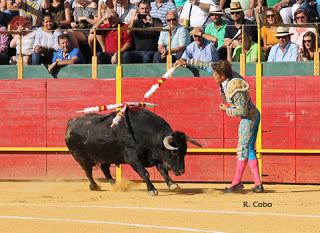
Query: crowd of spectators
x=61 y=32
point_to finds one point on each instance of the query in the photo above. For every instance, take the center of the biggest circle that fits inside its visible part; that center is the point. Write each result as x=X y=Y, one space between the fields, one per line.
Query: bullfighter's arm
x=240 y=108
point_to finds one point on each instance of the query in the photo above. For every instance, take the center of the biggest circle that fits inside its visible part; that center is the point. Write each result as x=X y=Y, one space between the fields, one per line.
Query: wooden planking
x=64 y=102
x=30 y=166
x=306 y=167
x=133 y=90
x=289 y=120
x=22 y=113
x=308 y=137
x=275 y=89
x=307 y=89
x=198 y=117
x=201 y=168
x=279 y=168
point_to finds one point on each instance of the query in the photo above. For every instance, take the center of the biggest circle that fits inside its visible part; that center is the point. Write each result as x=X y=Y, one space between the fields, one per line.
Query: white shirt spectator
x=47 y=39
x=198 y=17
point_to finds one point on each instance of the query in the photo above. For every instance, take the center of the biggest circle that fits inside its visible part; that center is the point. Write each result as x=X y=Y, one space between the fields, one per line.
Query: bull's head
x=176 y=146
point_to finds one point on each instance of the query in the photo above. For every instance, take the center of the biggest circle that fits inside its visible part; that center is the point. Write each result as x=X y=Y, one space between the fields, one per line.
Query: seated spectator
x=61 y=12
x=215 y=31
x=45 y=41
x=34 y=9
x=180 y=39
x=4 y=42
x=281 y=6
x=200 y=49
x=122 y=7
x=85 y=14
x=179 y=4
x=109 y=38
x=66 y=54
x=306 y=53
x=250 y=49
x=285 y=50
x=271 y=20
x=195 y=13
x=301 y=17
x=8 y=9
x=28 y=38
x=160 y=8
x=248 y=7
x=145 y=42
x=237 y=17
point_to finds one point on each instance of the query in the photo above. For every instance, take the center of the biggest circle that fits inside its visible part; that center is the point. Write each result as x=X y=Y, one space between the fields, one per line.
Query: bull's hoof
x=94 y=187
x=174 y=187
x=153 y=192
x=112 y=181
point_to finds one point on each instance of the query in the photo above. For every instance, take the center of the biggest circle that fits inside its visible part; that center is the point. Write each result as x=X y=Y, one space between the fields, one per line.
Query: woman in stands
x=24 y=24
x=306 y=52
x=301 y=17
x=271 y=19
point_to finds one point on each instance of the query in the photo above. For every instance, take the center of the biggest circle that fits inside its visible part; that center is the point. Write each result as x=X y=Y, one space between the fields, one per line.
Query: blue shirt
x=161 y=12
x=290 y=53
x=180 y=37
x=75 y=52
x=206 y=53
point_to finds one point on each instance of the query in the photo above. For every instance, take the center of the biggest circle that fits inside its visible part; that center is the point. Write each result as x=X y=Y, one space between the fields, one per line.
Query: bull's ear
x=166 y=142
x=192 y=141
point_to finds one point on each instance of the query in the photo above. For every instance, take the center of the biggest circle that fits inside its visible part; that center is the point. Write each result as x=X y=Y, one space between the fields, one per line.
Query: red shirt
x=111 y=39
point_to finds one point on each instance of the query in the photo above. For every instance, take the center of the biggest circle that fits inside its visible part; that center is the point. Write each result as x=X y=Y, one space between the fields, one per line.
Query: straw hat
x=282 y=31
x=215 y=9
x=235 y=7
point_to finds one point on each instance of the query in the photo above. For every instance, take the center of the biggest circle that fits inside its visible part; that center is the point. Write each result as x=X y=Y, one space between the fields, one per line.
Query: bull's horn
x=166 y=143
x=194 y=142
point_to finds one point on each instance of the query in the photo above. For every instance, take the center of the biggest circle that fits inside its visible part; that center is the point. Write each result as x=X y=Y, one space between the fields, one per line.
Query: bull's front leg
x=143 y=173
x=164 y=173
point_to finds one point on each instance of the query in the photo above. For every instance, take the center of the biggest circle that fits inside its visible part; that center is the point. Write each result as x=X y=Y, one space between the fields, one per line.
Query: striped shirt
x=161 y=11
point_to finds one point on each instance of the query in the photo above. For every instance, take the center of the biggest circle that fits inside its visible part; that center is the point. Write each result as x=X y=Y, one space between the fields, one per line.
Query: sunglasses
x=306 y=40
x=215 y=15
x=270 y=16
x=235 y=13
x=171 y=20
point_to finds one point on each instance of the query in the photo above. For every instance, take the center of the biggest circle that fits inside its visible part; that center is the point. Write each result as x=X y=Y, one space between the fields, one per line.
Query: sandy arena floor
x=67 y=207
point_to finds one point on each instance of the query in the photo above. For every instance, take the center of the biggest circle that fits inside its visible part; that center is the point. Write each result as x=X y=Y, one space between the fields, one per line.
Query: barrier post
x=316 y=56
x=20 y=59
x=243 y=54
x=119 y=93
x=169 y=56
x=94 y=64
x=259 y=99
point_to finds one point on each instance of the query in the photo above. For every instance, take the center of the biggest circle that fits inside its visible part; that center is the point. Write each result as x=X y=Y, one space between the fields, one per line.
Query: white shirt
x=198 y=17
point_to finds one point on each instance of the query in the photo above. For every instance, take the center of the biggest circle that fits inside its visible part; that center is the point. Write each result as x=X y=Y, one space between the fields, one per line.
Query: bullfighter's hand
x=179 y=63
x=223 y=107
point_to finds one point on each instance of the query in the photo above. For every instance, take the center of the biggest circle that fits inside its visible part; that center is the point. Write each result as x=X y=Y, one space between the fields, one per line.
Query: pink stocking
x=255 y=171
x=241 y=165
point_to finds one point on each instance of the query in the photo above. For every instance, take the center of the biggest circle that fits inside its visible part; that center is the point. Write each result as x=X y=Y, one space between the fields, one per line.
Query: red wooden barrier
x=35 y=113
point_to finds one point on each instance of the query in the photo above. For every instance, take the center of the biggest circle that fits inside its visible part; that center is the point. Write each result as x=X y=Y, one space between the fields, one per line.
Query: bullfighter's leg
x=170 y=183
x=87 y=167
x=105 y=167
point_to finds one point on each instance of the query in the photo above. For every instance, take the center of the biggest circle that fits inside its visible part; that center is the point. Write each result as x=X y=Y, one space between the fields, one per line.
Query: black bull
x=142 y=139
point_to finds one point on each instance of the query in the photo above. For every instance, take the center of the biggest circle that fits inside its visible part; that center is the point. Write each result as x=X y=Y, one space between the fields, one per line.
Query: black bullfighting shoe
x=234 y=188
x=258 y=189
